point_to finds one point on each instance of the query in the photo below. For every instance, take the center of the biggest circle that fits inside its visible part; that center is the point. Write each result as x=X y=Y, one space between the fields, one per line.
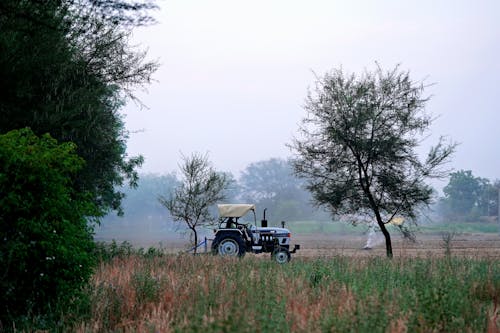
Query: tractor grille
x=266 y=237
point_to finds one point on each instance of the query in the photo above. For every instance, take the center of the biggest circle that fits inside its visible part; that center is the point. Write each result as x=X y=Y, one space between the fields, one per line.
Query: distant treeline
x=468 y=198
x=271 y=184
x=267 y=184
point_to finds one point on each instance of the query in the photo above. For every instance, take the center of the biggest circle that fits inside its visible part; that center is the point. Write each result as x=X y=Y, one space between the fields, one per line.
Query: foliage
x=141 y=202
x=356 y=147
x=201 y=187
x=65 y=69
x=290 y=202
x=46 y=248
x=233 y=188
x=467 y=196
x=307 y=295
x=271 y=184
x=106 y=252
x=119 y=12
x=265 y=180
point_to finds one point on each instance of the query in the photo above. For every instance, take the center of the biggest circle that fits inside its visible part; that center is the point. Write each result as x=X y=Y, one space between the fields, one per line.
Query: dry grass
x=183 y=293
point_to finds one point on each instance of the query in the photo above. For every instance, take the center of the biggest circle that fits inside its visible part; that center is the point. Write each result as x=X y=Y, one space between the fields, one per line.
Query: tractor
x=234 y=238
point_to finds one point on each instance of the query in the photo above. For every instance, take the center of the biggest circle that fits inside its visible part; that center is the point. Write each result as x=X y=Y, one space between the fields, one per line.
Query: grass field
x=331 y=285
x=184 y=293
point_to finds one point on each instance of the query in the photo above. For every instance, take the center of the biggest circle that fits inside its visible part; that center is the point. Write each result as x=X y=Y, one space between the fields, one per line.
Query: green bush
x=146 y=286
x=105 y=252
x=46 y=248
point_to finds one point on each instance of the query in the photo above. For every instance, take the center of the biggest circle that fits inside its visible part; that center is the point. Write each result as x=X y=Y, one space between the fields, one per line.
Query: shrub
x=46 y=248
x=105 y=252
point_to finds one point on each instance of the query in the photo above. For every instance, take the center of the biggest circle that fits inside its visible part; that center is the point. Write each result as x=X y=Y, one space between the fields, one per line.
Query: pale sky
x=234 y=74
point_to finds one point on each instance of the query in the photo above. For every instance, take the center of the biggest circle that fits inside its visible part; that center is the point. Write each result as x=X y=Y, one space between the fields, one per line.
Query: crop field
x=331 y=285
x=430 y=245
x=333 y=238
x=344 y=240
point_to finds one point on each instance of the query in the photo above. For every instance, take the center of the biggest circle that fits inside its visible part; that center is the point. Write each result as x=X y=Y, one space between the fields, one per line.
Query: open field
x=465 y=245
x=329 y=239
x=185 y=293
x=327 y=245
x=331 y=285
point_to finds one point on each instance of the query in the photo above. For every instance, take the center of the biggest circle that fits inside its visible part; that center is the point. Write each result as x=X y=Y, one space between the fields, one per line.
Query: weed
x=146 y=286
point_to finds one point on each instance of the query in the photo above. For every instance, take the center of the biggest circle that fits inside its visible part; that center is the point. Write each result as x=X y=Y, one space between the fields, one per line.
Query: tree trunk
x=195 y=240
x=387 y=235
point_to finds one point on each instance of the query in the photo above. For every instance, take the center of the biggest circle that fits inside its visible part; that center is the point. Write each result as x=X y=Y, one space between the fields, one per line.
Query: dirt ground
x=469 y=245
x=328 y=245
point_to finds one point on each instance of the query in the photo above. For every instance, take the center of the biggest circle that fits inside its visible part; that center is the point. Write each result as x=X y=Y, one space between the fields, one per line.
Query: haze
x=234 y=74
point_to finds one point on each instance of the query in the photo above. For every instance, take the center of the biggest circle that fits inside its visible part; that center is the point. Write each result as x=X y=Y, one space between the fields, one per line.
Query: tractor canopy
x=234 y=210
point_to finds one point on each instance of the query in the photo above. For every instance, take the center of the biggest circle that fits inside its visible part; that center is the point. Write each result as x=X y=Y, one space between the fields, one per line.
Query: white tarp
x=234 y=210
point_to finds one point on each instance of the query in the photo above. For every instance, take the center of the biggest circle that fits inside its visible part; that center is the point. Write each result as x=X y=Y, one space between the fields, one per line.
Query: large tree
x=468 y=196
x=142 y=202
x=462 y=192
x=66 y=68
x=268 y=179
x=271 y=184
x=201 y=187
x=357 y=146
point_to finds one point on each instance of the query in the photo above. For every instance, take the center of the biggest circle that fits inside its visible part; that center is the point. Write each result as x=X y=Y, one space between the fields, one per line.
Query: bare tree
x=201 y=187
x=356 y=147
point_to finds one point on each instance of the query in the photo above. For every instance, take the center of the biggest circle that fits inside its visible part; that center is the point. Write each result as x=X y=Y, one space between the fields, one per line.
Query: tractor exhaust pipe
x=264 y=221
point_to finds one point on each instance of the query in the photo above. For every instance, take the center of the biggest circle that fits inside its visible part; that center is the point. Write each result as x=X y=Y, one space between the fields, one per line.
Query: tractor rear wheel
x=231 y=246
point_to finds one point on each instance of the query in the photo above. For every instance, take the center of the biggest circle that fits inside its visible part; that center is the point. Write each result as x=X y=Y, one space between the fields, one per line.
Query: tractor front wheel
x=281 y=255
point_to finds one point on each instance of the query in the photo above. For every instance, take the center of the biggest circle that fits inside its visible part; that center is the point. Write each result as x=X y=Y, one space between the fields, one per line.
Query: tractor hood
x=234 y=210
x=273 y=230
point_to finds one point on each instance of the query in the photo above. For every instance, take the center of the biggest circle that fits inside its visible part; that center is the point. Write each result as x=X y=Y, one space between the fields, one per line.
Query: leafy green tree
x=45 y=252
x=265 y=180
x=142 y=201
x=271 y=184
x=201 y=187
x=66 y=68
x=233 y=189
x=462 y=192
x=492 y=199
x=356 y=147
x=487 y=201
x=467 y=196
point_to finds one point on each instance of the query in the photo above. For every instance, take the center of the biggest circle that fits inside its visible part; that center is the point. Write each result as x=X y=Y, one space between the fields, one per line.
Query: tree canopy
x=468 y=196
x=271 y=184
x=357 y=146
x=66 y=68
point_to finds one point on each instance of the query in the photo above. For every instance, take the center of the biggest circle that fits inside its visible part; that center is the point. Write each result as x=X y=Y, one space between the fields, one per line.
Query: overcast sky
x=234 y=74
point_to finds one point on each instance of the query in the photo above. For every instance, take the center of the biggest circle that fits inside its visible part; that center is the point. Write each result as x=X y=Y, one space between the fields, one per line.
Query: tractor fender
x=224 y=233
x=227 y=232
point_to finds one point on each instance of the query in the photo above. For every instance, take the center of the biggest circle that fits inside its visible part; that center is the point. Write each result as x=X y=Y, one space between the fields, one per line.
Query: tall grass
x=184 y=293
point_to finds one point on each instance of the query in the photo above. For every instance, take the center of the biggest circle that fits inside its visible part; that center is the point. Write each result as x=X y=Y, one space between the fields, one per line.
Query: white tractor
x=234 y=239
